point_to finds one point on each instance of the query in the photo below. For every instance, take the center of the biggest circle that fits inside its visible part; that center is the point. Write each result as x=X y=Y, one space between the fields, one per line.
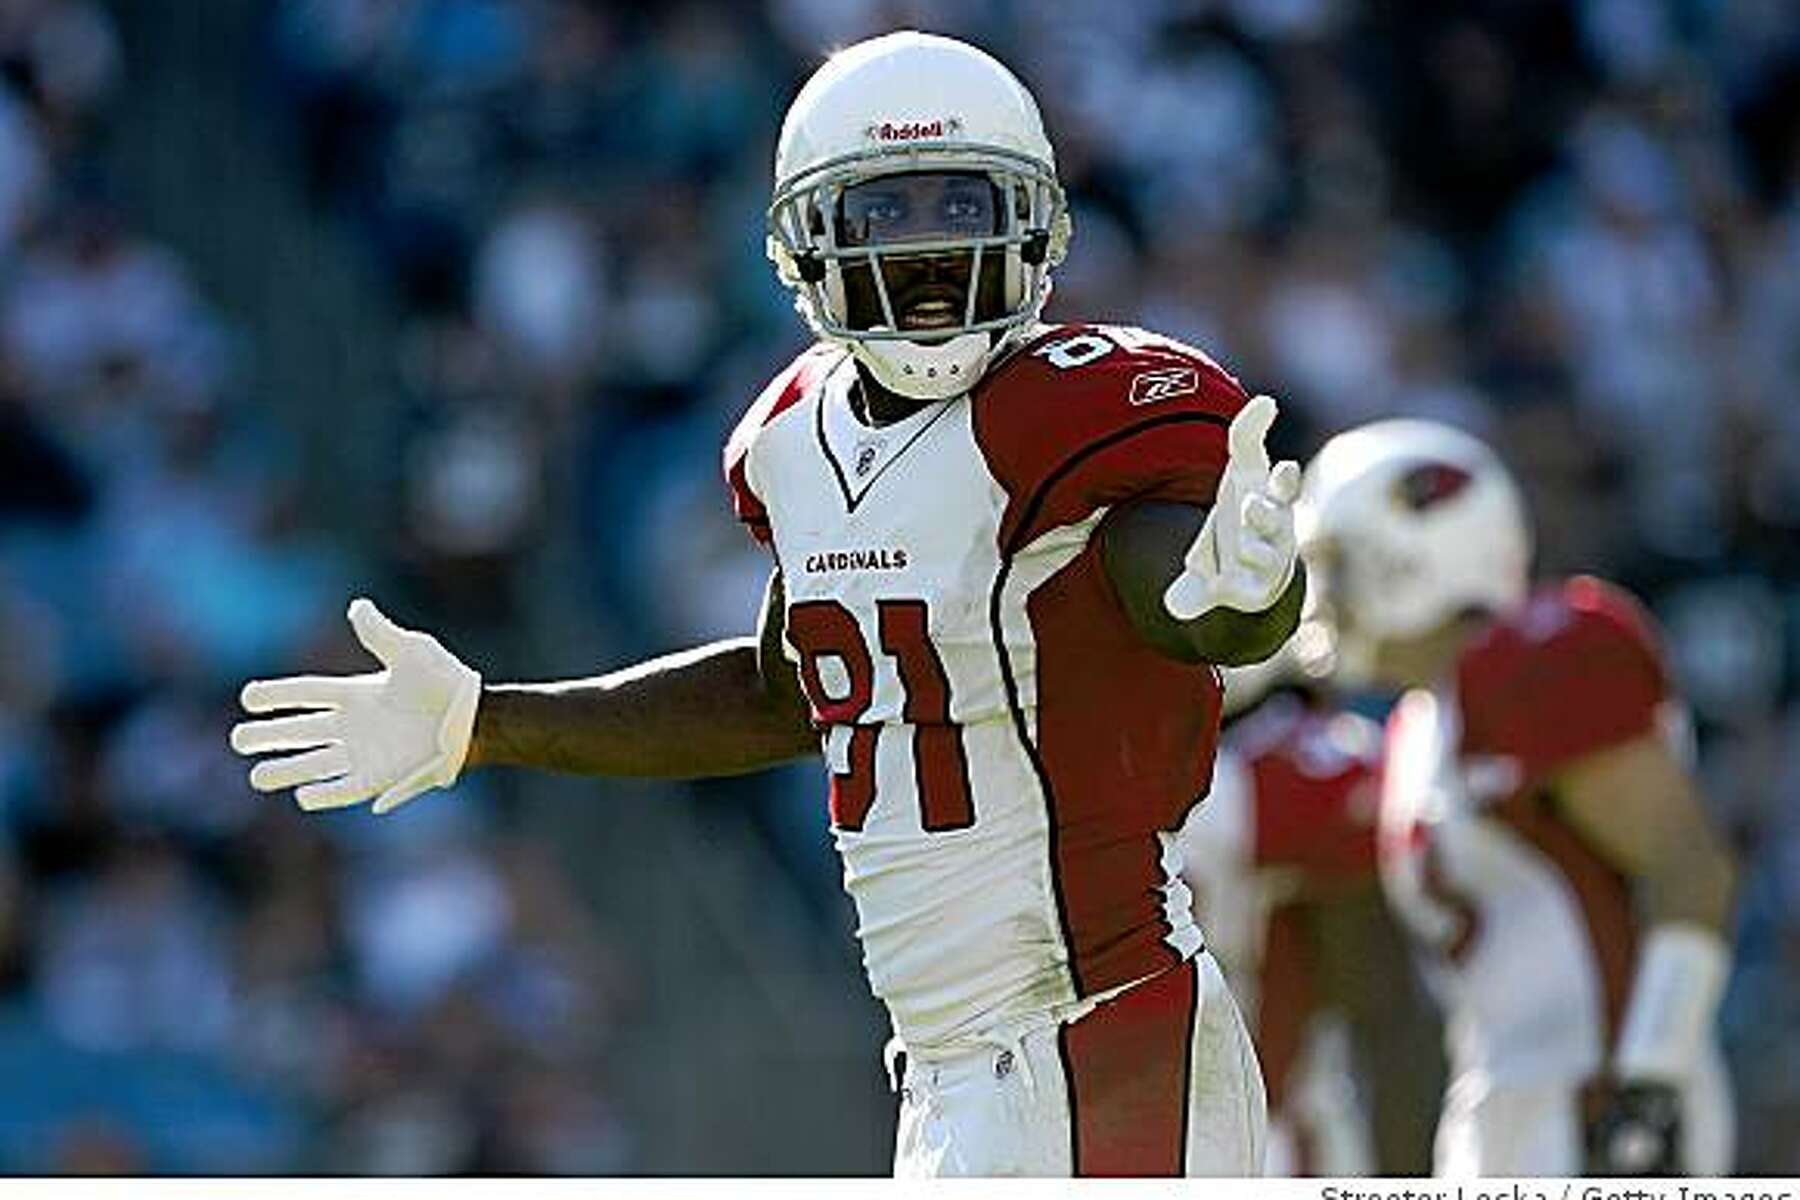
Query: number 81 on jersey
x=822 y=629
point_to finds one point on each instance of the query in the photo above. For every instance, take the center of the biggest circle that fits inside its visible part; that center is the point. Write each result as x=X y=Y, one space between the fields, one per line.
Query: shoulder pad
x=1316 y=779
x=784 y=391
x=1086 y=416
x=1575 y=669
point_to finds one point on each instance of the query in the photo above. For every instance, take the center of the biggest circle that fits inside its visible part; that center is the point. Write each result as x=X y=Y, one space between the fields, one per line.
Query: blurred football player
x=1540 y=832
x=1281 y=860
x=1006 y=556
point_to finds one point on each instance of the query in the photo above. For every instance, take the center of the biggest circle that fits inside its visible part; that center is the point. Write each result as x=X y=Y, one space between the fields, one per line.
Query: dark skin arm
x=1143 y=546
x=735 y=706
x=722 y=709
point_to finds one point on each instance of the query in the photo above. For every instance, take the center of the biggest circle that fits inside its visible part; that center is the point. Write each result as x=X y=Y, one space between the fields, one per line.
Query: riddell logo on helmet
x=915 y=131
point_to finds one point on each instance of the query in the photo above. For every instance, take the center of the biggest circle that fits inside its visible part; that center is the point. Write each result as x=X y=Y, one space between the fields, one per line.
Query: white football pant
x=1159 y=1079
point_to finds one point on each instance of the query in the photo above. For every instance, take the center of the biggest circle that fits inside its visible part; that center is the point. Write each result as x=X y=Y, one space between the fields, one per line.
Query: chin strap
x=921 y=372
x=1680 y=979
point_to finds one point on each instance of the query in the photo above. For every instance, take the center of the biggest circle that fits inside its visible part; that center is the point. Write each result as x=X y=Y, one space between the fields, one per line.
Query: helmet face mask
x=921 y=292
x=875 y=304
x=805 y=222
x=856 y=124
x=1354 y=624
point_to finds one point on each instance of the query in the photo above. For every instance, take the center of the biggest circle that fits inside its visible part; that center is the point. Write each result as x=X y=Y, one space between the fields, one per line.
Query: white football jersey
x=1008 y=761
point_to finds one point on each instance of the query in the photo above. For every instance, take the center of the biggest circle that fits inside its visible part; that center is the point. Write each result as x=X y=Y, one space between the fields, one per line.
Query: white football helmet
x=908 y=103
x=1404 y=524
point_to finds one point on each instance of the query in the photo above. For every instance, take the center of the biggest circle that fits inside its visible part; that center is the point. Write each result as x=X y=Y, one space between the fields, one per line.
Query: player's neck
x=1428 y=659
x=875 y=406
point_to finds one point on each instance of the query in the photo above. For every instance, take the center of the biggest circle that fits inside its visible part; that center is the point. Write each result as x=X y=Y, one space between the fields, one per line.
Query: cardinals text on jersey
x=1009 y=761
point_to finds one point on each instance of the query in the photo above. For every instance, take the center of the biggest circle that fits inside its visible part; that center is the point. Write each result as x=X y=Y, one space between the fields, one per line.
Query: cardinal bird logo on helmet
x=1430 y=484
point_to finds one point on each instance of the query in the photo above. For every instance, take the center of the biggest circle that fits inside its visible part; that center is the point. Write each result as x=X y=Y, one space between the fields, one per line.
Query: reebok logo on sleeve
x=1151 y=387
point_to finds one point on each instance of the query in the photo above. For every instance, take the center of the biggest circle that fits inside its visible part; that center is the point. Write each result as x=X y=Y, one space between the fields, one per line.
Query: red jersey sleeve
x=1578 y=669
x=782 y=393
x=1088 y=416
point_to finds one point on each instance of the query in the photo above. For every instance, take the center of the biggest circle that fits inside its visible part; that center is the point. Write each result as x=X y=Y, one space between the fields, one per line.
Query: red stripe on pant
x=1127 y=1065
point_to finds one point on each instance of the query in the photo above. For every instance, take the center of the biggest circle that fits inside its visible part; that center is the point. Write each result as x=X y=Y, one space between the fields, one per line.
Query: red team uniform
x=1495 y=883
x=1010 y=761
x=1289 y=823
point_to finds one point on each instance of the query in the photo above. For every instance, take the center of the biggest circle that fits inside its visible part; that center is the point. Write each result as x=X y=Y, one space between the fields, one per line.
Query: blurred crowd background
x=452 y=302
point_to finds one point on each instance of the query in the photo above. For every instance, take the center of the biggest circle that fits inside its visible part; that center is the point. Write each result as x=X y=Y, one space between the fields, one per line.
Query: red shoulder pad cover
x=1087 y=416
x=781 y=394
x=1576 y=670
x=1316 y=780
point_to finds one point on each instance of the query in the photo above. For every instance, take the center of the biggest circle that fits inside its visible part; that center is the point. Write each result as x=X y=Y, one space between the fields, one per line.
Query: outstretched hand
x=1244 y=556
x=390 y=734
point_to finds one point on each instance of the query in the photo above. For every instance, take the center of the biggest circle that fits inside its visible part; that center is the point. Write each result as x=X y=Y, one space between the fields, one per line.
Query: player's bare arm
x=721 y=709
x=1143 y=546
x=1639 y=808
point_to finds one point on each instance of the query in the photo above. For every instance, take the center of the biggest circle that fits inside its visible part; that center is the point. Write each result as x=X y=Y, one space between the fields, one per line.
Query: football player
x=1281 y=860
x=1540 y=832
x=1006 y=557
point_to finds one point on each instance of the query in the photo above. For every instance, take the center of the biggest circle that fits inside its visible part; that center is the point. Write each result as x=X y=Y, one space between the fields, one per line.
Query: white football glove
x=390 y=734
x=1244 y=556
